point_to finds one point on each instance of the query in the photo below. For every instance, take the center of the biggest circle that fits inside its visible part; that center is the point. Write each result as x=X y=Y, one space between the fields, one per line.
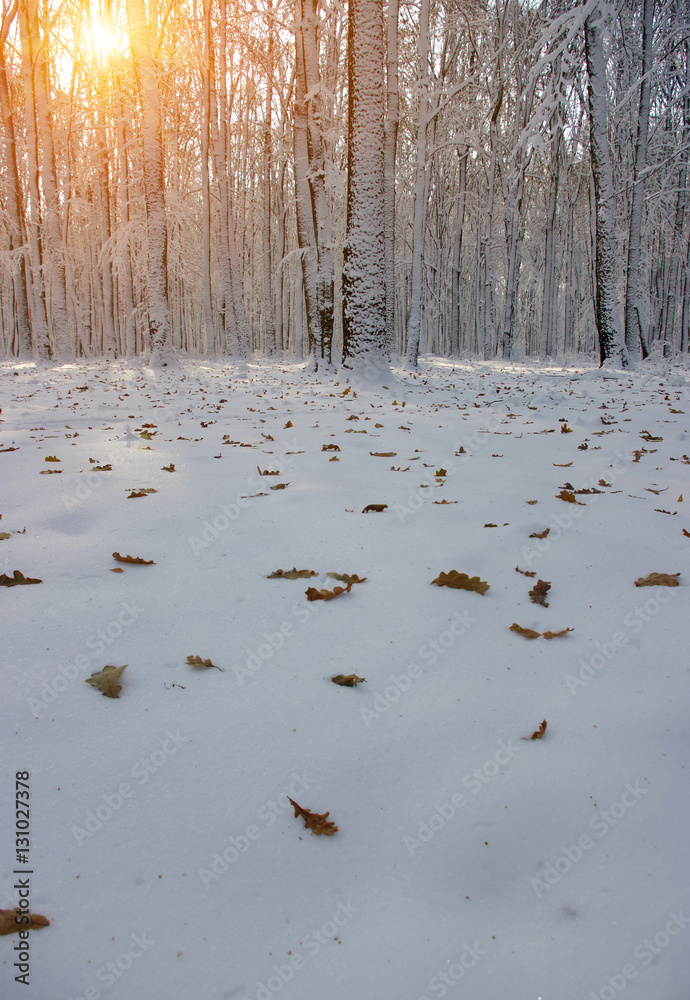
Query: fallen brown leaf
x=658 y=580
x=383 y=454
x=18 y=579
x=568 y=497
x=528 y=633
x=106 y=680
x=318 y=824
x=196 y=661
x=525 y=572
x=13 y=921
x=348 y=680
x=537 y=734
x=461 y=581
x=374 y=507
x=540 y=534
x=539 y=592
x=133 y=559
x=292 y=574
x=326 y=595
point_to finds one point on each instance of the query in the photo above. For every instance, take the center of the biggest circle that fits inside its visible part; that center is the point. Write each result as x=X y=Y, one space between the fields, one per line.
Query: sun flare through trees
x=182 y=178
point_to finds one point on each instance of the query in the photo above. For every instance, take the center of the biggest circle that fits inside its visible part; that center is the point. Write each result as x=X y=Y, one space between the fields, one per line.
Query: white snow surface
x=470 y=860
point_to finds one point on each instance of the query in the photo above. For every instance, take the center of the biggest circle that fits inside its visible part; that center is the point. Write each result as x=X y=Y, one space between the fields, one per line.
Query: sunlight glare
x=103 y=39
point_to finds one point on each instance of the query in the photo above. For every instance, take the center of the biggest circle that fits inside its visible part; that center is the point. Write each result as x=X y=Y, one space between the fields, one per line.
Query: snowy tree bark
x=268 y=316
x=390 y=143
x=208 y=338
x=306 y=237
x=15 y=204
x=414 y=323
x=608 y=312
x=38 y=100
x=364 y=273
x=635 y=335
x=314 y=102
x=154 y=185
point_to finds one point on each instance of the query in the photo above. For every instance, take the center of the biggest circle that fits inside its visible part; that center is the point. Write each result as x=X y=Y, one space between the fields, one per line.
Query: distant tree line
x=317 y=178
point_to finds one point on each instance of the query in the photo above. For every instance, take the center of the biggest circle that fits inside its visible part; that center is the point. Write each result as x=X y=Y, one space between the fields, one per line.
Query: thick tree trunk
x=364 y=274
x=154 y=185
x=390 y=143
x=608 y=312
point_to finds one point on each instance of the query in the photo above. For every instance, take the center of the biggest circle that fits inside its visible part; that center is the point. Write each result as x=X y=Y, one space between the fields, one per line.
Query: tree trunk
x=154 y=185
x=208 y=340
x=314 y=99
x=390 y=142
x=635 y=334
x=608 y=312
x=15 y=207
x=414 y=323
x=269 y=322
x=306 y=237
x=364 y=274
x=38 y=104
x=456 y=324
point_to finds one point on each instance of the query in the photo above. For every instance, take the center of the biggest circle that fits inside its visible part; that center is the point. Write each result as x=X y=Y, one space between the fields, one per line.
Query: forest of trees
x=487 y=178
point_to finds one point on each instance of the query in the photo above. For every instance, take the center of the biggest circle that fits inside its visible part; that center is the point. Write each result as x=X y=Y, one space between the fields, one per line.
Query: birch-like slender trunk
x=268 y=315
x=208 y=338
x=414 y=323
x=315 y=102
x=635 y=333
x=608 y=311
x=52 y=273
x=160 y=332
x=456 y=313
x=15 y=206
x=306 y=236
x=676 y=238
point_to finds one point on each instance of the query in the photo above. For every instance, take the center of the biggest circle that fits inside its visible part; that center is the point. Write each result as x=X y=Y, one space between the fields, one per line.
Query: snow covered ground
x=469 y=861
